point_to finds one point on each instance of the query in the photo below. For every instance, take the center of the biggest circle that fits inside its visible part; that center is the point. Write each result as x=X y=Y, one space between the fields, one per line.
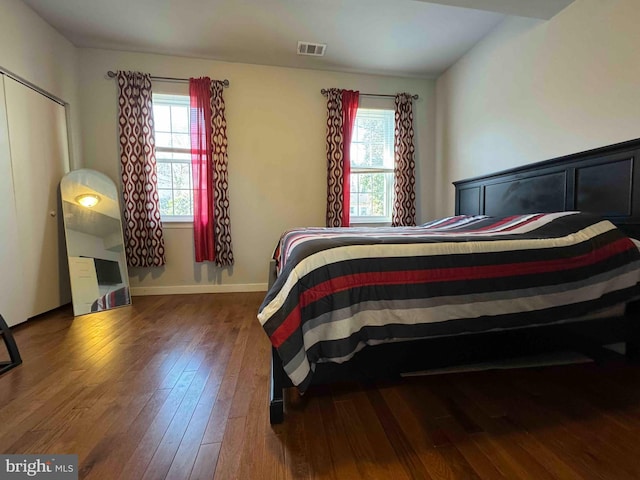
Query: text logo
x=49 y=467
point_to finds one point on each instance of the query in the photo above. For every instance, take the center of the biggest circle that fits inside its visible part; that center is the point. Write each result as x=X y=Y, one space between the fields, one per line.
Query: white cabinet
x=33 y=158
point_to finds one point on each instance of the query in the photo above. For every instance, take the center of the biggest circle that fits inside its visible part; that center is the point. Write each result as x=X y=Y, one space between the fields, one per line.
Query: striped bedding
x=340 y=289
x=115 y=298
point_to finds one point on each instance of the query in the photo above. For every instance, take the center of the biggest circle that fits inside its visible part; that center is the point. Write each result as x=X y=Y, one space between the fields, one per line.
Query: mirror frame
x=95 y=244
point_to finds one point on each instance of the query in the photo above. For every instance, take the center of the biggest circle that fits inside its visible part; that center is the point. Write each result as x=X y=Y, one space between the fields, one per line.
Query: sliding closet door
x=11 y=308
x=39 y=159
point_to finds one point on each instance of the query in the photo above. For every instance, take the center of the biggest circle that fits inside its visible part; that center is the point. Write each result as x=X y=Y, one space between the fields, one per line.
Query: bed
x=114 y=298
x=519 y=269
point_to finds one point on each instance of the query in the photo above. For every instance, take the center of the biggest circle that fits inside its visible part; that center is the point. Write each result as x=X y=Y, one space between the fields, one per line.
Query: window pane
x=164 y=174
x=181 y=140
x=358 y=154
x=378 y=194
x=166 y=201
x=163 y=140
x=162 y=118
x=377 y=155
x=371 y=194
x=182 y=205
x=375 y=129
x=373 y=137
x=181 y=176
x=180 y=119
x=353 y=181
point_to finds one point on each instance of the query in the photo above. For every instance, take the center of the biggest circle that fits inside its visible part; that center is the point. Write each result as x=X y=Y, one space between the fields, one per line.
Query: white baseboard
x=188 y=289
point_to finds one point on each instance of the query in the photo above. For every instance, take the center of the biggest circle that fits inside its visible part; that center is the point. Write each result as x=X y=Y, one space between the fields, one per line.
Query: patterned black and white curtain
x=222 y=217
x=404 y=205
x=342 y=106
x=144 y=241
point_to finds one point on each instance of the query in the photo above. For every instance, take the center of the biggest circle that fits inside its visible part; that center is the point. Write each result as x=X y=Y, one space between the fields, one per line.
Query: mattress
x=341 y=289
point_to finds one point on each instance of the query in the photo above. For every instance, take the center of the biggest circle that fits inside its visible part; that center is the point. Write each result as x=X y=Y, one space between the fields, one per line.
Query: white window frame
x=356 y=219
x=389 y=181
x=165 y=99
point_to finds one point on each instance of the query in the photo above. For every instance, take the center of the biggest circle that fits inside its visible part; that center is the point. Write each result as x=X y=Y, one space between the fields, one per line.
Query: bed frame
x=601 y=181
x=605 y=181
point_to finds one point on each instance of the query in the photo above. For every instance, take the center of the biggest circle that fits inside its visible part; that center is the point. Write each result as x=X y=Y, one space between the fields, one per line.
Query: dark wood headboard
x=604 y=181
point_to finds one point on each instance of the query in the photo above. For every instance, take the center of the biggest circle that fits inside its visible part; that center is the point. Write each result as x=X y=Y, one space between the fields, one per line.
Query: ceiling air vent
x=313 y=49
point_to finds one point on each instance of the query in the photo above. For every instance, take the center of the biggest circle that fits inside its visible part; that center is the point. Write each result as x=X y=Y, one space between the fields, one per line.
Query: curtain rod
x=112 y=74
x=324 y=92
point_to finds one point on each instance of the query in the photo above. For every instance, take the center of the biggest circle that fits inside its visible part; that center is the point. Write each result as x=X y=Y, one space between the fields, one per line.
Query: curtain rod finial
x=111 y=74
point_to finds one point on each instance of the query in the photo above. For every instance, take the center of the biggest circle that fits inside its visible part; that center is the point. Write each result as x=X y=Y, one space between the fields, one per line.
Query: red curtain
x=202 y=168
x=349 y=110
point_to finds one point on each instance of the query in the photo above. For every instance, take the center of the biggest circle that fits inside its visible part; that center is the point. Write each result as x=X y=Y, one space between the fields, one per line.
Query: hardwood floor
x=176 y=387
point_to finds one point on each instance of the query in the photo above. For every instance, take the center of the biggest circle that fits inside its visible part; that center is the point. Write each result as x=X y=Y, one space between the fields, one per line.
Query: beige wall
x=277 y=164
x=33 y=50
x=535 y=90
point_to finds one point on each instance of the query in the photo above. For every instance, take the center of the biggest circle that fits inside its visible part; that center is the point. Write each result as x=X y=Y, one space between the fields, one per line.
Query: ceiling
x=394 y=37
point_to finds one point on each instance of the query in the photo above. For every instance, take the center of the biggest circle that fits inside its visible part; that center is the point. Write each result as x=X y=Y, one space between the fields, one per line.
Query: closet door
x=11 y=307
x=39 y=159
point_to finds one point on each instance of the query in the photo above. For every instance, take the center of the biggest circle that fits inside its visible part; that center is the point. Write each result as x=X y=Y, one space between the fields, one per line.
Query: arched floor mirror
x=95 y=246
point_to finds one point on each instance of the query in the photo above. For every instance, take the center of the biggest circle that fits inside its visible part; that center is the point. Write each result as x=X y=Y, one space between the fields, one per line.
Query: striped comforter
x=115 y=298
x=340 y=289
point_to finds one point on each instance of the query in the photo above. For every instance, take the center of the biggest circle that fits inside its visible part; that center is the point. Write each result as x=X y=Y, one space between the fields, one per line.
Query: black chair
x=12 y=348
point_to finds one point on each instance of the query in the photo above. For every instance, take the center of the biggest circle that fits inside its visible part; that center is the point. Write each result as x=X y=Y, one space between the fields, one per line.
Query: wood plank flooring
x=176 y=387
